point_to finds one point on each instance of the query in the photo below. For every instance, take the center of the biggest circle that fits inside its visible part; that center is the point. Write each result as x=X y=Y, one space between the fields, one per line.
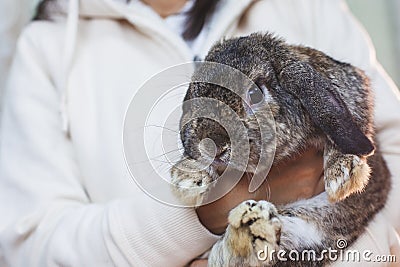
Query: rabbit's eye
x=255 y=95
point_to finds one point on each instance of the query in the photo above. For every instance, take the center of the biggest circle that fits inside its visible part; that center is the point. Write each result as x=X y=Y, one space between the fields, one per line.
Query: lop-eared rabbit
x=315 y=101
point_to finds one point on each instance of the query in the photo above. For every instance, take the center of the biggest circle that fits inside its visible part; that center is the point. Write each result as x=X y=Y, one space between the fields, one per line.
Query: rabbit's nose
x=219 y=141
x=214 y=150
x=219 y=152
x=194 y=133
x=212 y=146
x=208 y=148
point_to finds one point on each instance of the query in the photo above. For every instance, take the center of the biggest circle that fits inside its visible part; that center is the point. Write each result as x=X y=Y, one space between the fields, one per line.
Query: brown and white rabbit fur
x=316 y=101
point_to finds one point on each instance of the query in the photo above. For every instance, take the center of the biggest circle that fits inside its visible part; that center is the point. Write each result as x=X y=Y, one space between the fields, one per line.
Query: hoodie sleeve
x=47 y=219
x=338 y=33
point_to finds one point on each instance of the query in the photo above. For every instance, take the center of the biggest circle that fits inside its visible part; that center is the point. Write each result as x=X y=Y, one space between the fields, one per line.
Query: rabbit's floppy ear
x=325 y=107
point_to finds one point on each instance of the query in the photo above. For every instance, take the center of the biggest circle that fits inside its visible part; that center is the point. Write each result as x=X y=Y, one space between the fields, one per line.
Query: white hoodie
x=67 y=198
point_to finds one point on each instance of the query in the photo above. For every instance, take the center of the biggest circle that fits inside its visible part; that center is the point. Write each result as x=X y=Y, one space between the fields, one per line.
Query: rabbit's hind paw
x=253 y=226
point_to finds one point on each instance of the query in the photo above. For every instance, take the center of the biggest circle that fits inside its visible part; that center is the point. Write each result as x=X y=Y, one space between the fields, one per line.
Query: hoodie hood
x=58 y=9
x=55 y=9
x=226 y=15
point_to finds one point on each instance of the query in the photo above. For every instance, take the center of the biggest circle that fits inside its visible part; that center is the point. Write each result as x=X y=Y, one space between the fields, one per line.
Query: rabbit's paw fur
x=347 y=174
x=190 y=181
x=253 y=227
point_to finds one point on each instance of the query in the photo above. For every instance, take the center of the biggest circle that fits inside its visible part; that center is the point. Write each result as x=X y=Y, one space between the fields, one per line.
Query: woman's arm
x=47 y=218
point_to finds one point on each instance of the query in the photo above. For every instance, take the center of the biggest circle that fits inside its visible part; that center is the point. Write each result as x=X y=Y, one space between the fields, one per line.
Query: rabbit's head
x=309 y=95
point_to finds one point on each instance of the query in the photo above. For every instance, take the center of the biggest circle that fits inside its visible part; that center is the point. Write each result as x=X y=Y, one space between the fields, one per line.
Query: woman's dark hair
x=198 y=15
x=42 y=11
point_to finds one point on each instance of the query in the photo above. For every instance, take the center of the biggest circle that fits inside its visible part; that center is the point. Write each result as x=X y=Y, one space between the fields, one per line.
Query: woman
x=72 y=200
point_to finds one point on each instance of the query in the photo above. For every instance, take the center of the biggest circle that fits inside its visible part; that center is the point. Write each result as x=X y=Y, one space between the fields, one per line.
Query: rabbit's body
x=315 y=101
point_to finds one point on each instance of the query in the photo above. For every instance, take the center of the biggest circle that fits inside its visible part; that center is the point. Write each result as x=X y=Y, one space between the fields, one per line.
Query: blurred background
x=382 y=21
x=381 y=18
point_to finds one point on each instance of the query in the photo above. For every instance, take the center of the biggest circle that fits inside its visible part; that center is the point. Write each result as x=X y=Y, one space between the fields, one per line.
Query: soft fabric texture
x=67 y=198
x=13 y=19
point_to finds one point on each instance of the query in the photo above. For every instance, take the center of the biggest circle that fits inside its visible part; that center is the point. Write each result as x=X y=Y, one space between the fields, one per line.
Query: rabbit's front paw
x=190 y=182
x=253 y=227
x=346 y=175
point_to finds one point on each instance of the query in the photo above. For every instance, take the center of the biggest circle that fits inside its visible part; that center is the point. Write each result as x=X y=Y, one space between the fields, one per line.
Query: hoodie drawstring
x=67 y=58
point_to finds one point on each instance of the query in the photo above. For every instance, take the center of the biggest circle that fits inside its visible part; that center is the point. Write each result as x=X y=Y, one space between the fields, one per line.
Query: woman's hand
x=214 y=216
x=199 y=263
x=297 y=178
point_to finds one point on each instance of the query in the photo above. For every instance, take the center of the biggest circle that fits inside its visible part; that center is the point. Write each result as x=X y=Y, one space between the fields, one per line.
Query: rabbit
x=316 y=101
